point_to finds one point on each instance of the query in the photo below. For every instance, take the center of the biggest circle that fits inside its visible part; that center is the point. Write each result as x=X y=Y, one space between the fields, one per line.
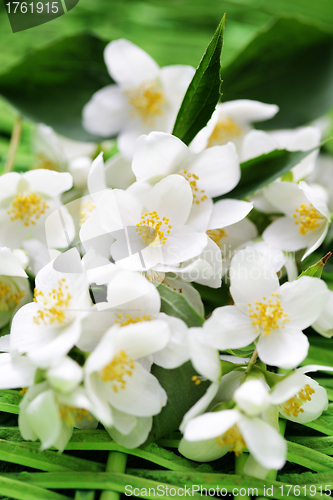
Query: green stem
x=250 y=365
x=14 y=142
x=116 y=463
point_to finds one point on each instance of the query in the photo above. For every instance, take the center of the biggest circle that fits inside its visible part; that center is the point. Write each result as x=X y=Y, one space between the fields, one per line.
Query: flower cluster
x=117 y=270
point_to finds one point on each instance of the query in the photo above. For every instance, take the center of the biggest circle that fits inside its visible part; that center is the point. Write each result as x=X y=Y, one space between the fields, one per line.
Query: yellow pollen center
x=196 y=380
x=128 y=320
x=116 y=371
x=198 y=194
x=149 y=229
x=216 y=235
x=294 y=405
x=27 y=207
x=233 y=439
x=224 y=131
x=55 y=304
x=268 y=315
x=71 y=414
x=10 y=294
x=147 y=101
x=308 y=218
x=86 y=210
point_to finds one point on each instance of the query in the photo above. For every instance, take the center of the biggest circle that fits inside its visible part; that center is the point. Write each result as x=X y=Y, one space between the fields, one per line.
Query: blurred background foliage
x=171 y=31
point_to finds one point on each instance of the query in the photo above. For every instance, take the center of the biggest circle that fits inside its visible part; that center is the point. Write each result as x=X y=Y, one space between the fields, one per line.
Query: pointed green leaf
x=262 y=170
x=290 y=63
x=313 y=460
x=203 y=92
x=316 y=269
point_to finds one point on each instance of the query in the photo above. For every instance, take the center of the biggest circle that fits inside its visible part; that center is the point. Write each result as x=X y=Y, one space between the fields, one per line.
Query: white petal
x=131 y=293
x=204 y=358
x=9 y=264
x=128 y=64
x=265 y=443
x=136 y=437
x=118 y=172
x=200 y=406
x=252 y=397
x=283 y=348
x=276 y=256
x=247 y=111
x=227 y=212
x=202 y=451
x=200 y=215
x=257 y=143
x=49 y=183
x=105 y=114
x=211 y=425
x=175 y=80
x=16 y=372
x=96 y=177
x=172 y=198
x=142 y=396
x=316 y=200
x=65 y=376
x=44 y=418
x=284 y=234
x=118 y=209
x=217 y=168
x=252 y=278
x=183 y=244
x=285 y=196
x=229 y=328
x=303 y=300
x=175 y=353
x=157 y=155
x=94 y=326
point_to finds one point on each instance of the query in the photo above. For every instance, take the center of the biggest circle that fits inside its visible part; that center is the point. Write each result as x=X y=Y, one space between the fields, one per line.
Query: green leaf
x=20 y=490
x=54 y=83
x=262 y=170
x=316 y=269
x=203 y=92
x=306 y=457
x=182 y=395
x=175 y=304
x=321 y=444
x=290 y=63
x=309 y=479
x=324 y=423
x=9 y=401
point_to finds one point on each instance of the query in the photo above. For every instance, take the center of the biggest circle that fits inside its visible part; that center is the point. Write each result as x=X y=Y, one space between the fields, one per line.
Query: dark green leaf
x=260 y=171
x=312 y=459
x=289 y=64
x=53 y=84
x=203 y=92
x=175 y=304
x=182 y=395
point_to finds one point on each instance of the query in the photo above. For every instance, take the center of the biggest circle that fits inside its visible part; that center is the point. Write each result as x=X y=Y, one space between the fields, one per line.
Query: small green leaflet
x=175 y=304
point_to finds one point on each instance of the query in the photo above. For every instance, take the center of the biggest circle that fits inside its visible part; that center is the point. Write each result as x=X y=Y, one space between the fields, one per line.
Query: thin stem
x=250 y=365
x=14 y=142
x=116 y=463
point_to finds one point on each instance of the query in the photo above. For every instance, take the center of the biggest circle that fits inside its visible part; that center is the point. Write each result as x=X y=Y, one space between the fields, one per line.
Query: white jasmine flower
x=324 y=324
x=14 y=285
x=231 y=121
x=51 y=325
x=50 y=415
x=26 y=200
x=154 y=232
x=272 y=315
x=116 y=172
x=306 y=220
x=209 y=174
x=300 y=398
x=120 y=388
x=144 y=97
x=211 y=435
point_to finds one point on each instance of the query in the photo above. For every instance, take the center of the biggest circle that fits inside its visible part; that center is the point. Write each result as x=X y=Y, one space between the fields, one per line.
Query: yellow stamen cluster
x=42 y=161
x=86 y=210
x=196 y=380
x=308 y=218
x=294 y=405
x=116 y=371
x=216 y=235
x=10 y=296
x=147 y=101
x=192 y=179
x=268 y=315
x=27 y=207
x=128 y=320
x=224 y=131
x=233 y=439
x=56 y=303
x=71 y=414
x=149 y=228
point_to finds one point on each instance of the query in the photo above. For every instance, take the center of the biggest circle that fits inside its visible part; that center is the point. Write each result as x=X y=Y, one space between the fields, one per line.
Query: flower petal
x=202 y=451
x=228 y=212
x=283 y=348
x=211 y=425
